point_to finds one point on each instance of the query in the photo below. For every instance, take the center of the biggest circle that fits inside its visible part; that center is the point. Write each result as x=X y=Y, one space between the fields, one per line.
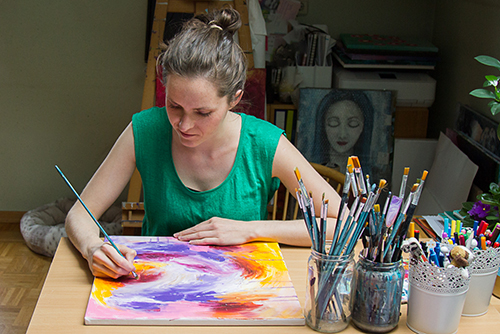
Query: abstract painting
x=184 y=284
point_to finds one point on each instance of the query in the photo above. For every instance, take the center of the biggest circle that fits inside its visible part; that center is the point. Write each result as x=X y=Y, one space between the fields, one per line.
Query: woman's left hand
x=218 y=231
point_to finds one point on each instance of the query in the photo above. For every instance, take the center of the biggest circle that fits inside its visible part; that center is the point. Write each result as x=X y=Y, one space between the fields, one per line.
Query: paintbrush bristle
x=407 y=171
x=350 y=168
x=424 y=175
x=376 y=208
x=382 y=184
x=355 y=162
x=414 y=188
x=297 y=173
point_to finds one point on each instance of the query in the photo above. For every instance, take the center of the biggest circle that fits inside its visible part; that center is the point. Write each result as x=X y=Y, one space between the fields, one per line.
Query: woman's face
x=194 y=109
x=344 y=122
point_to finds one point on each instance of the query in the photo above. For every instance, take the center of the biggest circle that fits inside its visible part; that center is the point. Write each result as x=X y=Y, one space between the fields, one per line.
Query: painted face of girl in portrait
x=344 y=123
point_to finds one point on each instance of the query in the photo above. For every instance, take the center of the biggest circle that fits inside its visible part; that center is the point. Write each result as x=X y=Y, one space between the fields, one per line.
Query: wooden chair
x=332 y=176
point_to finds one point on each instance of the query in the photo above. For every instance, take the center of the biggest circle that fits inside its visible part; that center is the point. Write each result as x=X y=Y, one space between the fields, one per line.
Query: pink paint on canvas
x=183 y=284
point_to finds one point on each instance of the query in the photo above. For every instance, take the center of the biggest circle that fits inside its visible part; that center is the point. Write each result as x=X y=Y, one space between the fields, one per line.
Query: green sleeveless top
x=171 y=207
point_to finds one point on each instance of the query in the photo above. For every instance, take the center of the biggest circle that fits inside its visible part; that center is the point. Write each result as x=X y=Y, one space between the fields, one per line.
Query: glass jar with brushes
x=328 y=306
x=377 y=296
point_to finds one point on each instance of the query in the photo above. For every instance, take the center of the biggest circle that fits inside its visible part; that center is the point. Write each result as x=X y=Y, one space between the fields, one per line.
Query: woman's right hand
x=105 y=261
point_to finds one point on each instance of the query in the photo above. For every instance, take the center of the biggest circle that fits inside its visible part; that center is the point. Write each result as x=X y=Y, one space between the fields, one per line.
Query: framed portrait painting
x=334 y=124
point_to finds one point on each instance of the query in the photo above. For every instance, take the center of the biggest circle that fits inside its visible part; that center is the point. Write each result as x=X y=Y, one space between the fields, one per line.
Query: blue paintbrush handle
x=90 y=213
x=395 y=229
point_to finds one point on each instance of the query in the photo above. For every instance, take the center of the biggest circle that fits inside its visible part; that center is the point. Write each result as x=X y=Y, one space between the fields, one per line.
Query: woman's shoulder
x=256 y=125
x=151 y=113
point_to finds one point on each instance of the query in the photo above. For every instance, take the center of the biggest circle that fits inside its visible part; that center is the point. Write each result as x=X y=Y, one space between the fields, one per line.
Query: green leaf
x=487 y=83
x=493 y=80
x=488 y=61
x=483 y=93
x=467 y=206
x=494 y=218
x=494 y=188
x=468 y=222
x=498 y=132
x=494 y=107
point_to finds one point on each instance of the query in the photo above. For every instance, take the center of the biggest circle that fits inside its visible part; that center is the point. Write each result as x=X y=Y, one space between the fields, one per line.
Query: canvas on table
x=183 y=284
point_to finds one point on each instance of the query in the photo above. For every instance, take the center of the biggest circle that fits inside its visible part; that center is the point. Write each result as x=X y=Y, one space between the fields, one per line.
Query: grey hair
x=200 y=51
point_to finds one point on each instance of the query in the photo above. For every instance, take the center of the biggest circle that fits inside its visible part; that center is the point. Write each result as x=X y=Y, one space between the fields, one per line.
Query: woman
x=208 y=173
x=345 y=118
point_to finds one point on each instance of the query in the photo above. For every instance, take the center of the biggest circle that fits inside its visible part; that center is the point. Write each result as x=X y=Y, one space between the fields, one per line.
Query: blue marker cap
x=447 y=226
x=476 y=224
x=433 y=257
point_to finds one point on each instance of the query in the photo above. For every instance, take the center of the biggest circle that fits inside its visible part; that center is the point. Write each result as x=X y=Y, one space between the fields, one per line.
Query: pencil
x=92 y=216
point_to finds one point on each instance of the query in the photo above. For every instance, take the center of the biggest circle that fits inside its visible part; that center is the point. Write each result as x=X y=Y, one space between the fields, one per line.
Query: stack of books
x=318 y=46
x=382 y=51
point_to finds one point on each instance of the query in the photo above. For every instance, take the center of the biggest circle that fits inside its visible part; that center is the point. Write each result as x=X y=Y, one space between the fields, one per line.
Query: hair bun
x=227 y=19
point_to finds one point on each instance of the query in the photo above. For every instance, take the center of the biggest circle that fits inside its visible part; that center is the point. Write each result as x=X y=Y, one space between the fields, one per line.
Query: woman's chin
x=342 y=149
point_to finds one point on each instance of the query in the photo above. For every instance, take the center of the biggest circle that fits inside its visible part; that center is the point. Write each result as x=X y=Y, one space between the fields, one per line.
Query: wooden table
x=63 y=301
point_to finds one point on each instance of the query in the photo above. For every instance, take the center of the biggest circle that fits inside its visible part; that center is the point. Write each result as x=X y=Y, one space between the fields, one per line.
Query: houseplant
x=487 y=204
x=491 y=81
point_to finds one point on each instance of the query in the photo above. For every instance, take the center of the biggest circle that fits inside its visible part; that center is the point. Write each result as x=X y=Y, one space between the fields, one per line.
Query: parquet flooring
x=22 y=273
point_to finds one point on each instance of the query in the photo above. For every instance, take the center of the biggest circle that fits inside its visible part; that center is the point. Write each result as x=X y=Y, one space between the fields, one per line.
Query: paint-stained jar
x=377 y=297
x=328 y=305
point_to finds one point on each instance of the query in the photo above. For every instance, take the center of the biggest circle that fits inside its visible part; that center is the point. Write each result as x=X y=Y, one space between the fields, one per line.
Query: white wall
x=384 y=17
x=71 y=76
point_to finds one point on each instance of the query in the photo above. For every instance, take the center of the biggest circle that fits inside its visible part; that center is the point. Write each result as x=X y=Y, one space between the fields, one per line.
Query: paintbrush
x=307 y=219
x=403 y=182
x=341 y=243
x=398 y=222
x=314 y=222
x=323 y=224
x=343 y=203
x=93 y=218
x=302 y=187
x=409 y=216
x=381 y=229
x=358 y=171
x=361 y=223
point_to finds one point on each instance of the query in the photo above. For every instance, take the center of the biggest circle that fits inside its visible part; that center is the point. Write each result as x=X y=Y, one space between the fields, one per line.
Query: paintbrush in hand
x=92 y=216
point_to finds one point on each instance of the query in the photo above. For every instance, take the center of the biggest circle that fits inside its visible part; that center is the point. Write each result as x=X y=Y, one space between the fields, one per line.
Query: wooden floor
x=22 y=273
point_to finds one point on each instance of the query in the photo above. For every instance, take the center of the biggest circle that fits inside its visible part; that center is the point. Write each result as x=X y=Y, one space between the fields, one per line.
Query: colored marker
x=496 y=233
x=411 y=230
x=482 y=227
x=474 y=227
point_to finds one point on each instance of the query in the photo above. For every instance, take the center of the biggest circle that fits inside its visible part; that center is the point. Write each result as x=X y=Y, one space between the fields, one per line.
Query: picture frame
x=329 y=129
x=479 y=129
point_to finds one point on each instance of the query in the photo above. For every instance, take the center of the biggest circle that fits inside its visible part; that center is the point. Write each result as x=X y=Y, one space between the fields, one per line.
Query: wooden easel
x=133 y=209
